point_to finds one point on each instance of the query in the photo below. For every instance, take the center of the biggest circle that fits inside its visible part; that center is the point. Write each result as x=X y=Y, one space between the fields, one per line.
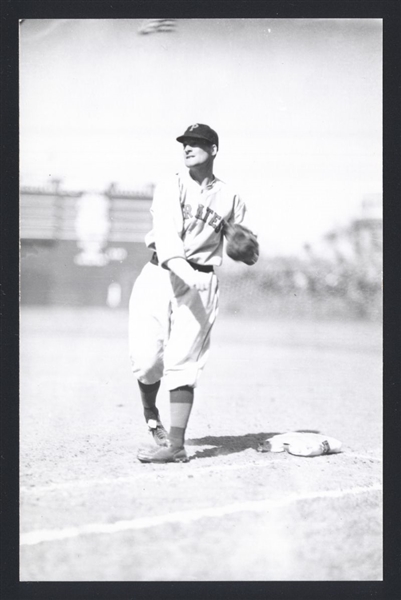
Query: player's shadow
x=232 y=444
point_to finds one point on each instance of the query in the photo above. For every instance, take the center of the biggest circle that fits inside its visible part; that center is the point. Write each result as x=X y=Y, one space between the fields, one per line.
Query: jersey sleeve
x=240 y=214
x=167 y=221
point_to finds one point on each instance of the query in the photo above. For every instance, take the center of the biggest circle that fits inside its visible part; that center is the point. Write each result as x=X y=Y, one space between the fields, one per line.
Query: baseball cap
x=201 y=132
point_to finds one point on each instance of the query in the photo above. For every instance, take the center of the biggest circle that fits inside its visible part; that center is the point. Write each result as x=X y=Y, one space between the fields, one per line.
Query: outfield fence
x=86 y=248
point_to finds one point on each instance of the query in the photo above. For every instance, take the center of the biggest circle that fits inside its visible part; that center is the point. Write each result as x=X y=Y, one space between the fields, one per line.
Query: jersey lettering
x=209 y=211
x=199 y=212
x=203 y=214
x=215 y=220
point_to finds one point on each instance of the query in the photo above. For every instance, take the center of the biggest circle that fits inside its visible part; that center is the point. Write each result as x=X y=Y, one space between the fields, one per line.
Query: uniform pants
x=170 y=327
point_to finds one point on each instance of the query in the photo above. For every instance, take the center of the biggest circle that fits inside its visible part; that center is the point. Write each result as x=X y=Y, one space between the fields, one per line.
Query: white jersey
x=188 y=220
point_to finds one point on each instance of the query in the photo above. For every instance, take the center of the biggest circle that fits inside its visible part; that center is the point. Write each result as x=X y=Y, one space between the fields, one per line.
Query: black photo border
x=12 y=11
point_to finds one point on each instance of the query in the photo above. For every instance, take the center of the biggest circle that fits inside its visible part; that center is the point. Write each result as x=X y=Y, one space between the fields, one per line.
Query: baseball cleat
x=165 y=454
x=158 y=432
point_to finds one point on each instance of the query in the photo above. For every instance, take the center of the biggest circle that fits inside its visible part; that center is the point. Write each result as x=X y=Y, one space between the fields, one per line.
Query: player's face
x=198 y=153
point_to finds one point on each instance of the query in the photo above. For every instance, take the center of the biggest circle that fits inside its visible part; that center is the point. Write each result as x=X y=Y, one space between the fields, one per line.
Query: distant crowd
x=336 y=272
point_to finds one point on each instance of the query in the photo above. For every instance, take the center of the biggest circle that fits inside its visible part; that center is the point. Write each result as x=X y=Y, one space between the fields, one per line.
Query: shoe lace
x=160 y=432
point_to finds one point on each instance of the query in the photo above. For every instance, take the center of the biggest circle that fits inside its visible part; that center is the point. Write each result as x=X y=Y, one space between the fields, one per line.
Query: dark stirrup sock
x=181 y=401
x=148 y=396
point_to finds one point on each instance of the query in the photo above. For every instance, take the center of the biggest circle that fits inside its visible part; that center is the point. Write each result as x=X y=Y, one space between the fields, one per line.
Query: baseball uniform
x=169 y=323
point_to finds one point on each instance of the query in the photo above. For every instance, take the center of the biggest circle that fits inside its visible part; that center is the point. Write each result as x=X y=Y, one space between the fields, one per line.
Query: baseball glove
x=242 y=245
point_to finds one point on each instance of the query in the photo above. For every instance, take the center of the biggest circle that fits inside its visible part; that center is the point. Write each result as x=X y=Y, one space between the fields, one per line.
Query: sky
x=297 y=104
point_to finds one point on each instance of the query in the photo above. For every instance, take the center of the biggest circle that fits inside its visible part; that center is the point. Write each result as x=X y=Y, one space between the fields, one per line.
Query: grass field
x=91 y=512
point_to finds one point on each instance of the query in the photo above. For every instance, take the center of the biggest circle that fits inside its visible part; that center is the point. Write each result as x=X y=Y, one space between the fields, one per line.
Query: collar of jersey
x=187 y=176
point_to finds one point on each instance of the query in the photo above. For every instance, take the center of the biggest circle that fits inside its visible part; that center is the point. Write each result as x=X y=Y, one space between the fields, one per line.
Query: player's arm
x=193 y=279
x=240 y=215
x=168 y=223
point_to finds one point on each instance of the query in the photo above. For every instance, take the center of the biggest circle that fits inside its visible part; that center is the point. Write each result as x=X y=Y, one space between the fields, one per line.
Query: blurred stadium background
x=297 y=104
x=86 y=249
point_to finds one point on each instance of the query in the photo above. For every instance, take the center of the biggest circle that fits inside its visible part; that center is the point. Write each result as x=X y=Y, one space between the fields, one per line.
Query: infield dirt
x=277 y=516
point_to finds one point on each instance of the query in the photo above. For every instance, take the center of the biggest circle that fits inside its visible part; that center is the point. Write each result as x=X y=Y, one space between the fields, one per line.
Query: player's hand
x=201 y=281
x=192 y=279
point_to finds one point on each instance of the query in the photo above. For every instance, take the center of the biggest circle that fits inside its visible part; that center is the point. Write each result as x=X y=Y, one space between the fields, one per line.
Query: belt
x=204 y=268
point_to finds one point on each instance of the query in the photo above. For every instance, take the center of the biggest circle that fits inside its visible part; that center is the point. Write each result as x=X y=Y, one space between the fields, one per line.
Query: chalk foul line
x=184 y=517
x=84 y=483
x=87 y=483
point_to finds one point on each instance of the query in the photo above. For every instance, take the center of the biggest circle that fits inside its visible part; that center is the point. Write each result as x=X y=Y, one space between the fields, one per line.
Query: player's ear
x=214 y=150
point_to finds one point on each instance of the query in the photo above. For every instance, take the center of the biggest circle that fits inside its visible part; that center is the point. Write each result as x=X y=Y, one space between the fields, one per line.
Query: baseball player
x=174 y=301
